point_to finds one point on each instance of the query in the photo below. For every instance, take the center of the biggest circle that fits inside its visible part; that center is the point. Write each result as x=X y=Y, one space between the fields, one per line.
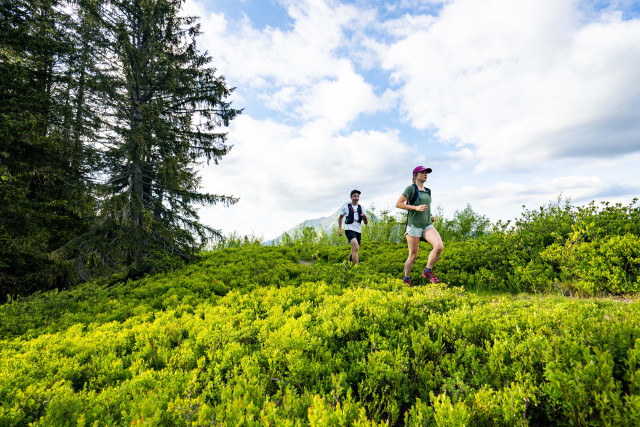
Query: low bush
x=558 y=248
x=267 y=335
x=369 y=353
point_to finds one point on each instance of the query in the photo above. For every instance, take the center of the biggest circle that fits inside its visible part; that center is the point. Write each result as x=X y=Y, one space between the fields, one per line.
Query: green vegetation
x=262 y=335
x=106 y=108
x=45 y=199
x=587 y=250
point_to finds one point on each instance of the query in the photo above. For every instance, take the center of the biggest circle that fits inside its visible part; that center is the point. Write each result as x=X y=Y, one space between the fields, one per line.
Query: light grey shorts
x=416 y=231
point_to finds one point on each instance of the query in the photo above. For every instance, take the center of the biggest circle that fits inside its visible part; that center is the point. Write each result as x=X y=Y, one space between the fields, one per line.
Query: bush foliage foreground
x=250 y=336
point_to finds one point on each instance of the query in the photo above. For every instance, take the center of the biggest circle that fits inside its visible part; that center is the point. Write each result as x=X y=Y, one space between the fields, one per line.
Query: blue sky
x=511 y=103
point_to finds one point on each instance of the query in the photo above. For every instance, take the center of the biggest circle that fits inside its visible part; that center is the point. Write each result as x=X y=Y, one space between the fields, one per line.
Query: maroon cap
x=420 y=169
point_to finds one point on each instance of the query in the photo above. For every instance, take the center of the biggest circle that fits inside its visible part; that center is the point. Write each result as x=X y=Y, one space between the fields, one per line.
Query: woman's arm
x=402 y=204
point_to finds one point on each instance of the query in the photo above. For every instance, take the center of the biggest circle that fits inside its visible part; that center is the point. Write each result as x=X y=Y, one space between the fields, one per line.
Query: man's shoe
x=406 y=281
x=430 y=276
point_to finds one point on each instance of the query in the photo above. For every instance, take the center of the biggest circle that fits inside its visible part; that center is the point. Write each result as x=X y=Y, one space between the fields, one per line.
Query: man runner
x=354 y=214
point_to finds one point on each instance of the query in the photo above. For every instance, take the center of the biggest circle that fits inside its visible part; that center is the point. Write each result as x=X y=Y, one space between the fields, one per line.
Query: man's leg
x=350 y=235
x=414 y=245
x=355 y=247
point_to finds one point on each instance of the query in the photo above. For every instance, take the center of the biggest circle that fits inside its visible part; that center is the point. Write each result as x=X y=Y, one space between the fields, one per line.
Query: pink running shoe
x=430 y=277
x=406 y=281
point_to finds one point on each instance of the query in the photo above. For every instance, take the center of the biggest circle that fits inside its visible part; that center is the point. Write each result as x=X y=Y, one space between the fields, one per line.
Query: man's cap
x=420 y=169
x=354 y=192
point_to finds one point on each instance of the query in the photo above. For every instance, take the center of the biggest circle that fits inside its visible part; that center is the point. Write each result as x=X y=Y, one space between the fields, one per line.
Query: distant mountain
x=325 y=223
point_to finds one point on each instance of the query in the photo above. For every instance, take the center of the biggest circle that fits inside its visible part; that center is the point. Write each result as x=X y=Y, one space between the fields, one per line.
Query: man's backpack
x=351 y=214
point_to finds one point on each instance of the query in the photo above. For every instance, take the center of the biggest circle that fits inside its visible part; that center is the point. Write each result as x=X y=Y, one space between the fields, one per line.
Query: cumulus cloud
x=306 y=161
x=338 y=102
x=502 y=196
x=285 y=167
x=296 y=56
x=525 y=99
x=521 y=82
x=279 y=172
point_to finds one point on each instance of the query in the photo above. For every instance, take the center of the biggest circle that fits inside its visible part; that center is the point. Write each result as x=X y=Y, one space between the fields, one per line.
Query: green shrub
x=369 y=351
x=249 y=335
x=601 y=266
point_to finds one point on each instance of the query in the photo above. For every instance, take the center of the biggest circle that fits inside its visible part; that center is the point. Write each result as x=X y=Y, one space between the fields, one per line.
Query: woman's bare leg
x=432 y=236
x=414 y=245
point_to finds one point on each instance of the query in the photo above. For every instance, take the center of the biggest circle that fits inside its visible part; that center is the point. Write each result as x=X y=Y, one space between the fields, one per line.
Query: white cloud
x=277 y=168
x=408 y=24
x=501 y=196
x=528 y=97
x=522 y=81
x=276 y=163
x=340 y=101
x=298 y=56
x=303 y=71
x=307 y=162
x=281 y=99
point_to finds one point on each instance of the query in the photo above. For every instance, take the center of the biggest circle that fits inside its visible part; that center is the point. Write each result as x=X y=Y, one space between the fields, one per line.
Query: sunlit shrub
x=252 y=335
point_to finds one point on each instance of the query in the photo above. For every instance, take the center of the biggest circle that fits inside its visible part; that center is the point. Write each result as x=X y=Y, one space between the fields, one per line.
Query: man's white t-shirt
x=355 y=225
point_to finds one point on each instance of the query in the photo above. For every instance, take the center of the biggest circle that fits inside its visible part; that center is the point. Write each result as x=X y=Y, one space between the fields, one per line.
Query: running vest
x=416 y=195
x=349 y=219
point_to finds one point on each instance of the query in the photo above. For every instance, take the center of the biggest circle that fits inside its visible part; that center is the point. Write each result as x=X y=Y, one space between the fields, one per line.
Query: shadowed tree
x=43 y=193
x=106 y=110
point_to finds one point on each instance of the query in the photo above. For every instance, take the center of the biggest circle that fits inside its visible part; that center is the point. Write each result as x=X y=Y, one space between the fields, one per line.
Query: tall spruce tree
x=40 y=195
x=167 y=108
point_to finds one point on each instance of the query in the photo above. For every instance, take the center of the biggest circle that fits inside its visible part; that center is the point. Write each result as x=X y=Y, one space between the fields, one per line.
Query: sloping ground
x=251 y=336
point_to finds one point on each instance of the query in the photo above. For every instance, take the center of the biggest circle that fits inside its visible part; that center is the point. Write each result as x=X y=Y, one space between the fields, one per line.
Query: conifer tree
x=167 y=108
x=39 y=191
x=106 y=108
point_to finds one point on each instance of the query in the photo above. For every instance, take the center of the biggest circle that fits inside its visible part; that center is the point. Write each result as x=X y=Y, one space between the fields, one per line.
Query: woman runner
x=417 y=200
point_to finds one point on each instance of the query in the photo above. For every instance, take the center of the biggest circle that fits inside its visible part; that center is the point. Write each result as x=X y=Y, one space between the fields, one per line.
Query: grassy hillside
x=537 y=323
x=252 y=336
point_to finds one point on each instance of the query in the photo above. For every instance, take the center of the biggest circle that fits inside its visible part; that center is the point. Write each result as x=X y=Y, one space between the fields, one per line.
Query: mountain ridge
x=325 y=223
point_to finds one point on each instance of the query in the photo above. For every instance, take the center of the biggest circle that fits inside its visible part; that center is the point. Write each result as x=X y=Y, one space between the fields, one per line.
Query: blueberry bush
x=286 y=335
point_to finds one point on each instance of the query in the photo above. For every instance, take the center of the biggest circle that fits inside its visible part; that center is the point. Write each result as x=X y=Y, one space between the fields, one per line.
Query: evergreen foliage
x=167 y=105
x=44 y=196
x=106 y=109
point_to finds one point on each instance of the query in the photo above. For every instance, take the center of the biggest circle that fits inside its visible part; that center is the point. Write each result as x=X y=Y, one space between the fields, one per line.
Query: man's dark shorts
x=352 y=235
